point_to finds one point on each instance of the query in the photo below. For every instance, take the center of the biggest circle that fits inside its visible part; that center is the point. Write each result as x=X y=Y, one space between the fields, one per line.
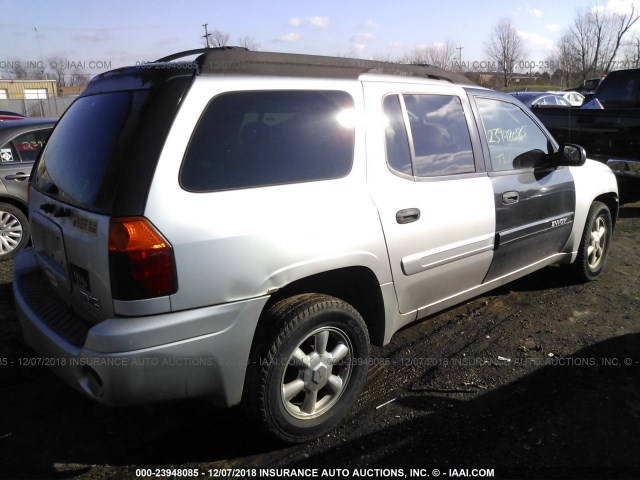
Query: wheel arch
x=12 y=244
x=356 y=285
x=611 y=201
x=14 y=201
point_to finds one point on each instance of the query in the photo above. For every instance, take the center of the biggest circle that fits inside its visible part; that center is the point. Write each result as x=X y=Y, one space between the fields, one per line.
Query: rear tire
x=14 y=230
x=305 y=376
x=595 y=243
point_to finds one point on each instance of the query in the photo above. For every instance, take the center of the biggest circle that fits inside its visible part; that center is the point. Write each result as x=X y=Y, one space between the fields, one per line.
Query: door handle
x=18 y=176
x=407 y=215
x=509 y=198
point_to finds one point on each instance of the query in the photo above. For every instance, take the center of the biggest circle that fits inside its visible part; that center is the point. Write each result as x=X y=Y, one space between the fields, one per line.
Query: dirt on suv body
x=242 y=227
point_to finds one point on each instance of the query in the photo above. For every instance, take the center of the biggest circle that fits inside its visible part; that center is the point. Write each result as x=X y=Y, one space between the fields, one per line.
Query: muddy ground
x=539 y=379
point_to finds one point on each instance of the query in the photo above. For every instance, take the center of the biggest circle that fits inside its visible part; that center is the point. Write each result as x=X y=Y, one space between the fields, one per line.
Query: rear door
x=16 y=160
x=534 y=202
x=428 y=182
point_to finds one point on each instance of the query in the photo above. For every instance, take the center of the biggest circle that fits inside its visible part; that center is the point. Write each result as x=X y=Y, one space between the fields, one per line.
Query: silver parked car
x=20 y=143
x=541 y=99
x=243 y=226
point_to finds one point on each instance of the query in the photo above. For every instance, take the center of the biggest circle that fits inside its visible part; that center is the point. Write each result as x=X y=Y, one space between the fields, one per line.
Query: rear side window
x=439 y=136
x=398 y=153
x=24 y=147
x=622 y=91
x=252 y=139
x=441 y=141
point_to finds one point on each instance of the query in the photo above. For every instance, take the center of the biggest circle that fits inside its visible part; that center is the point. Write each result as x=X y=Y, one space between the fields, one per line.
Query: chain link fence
x=46 y=107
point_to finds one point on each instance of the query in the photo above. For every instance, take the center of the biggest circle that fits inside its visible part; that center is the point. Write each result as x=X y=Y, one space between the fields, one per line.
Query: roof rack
x=197 y=51
x=239 y=60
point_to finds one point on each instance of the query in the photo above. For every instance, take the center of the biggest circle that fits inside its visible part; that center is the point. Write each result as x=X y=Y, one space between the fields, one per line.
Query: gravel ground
x=539 y=379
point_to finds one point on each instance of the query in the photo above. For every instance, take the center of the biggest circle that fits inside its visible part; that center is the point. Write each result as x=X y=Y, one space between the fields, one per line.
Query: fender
x=591 y=180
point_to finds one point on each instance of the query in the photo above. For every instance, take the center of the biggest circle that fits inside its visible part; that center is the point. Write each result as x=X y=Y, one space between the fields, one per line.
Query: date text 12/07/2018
x=311 y=473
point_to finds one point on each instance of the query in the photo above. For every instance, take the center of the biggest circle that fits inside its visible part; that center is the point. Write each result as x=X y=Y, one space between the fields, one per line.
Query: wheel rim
x=10 y=232
x=317 y=373
x=597 y=243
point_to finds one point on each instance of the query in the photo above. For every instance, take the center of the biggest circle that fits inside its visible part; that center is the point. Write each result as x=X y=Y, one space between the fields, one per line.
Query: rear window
x=252 y=139
x=80 y=163
x=622 y=91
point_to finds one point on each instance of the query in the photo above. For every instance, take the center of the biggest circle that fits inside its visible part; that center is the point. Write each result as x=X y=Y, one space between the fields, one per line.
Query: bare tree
x=593 y=41
x=215 y=39
x=59 y=67
x=506 y=48
x=621 y=23
x=66 y=73
x=249 y=43
x=77 y=77
x=564 y=62
x=30 y=71
x=219 y=39
x=440 y=55
x=18 y=71
x=631 y=53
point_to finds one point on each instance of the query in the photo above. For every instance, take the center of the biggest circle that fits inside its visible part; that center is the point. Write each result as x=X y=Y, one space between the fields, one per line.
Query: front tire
x=595 y=243
x=14 y=230
x=304 y=378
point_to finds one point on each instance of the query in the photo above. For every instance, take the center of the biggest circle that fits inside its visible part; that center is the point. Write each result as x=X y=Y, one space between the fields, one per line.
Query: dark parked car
x=4 y=115
x=607 y=125
x=20 y=143
x=539 y=99
x=588 y=86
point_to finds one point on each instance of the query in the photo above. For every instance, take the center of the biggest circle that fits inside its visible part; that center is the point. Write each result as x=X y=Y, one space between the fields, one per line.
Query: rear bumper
x=199 y=352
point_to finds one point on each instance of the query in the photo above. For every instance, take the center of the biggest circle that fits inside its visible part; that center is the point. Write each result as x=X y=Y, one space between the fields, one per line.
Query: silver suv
x=243 y=226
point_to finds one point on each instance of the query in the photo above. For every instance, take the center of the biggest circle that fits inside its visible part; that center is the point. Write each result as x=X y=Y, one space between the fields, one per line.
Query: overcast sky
x=118 y=32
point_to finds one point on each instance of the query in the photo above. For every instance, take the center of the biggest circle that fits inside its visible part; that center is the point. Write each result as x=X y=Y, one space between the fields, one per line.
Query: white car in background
x=574 y=98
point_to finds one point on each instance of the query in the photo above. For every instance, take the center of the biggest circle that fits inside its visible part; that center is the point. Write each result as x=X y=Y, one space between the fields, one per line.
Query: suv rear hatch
x=89 y=190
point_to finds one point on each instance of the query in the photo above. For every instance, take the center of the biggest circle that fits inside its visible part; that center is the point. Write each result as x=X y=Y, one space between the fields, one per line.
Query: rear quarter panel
x=238 y=244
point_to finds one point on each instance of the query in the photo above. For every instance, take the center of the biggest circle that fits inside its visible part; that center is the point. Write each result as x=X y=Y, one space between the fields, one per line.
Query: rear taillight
x=140 y=259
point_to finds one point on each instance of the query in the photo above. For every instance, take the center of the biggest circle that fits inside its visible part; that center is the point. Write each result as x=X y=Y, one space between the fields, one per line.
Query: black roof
x=532 y=93
x=628 y=71
x=27 y=123
x=5 y=112
x=239 y=60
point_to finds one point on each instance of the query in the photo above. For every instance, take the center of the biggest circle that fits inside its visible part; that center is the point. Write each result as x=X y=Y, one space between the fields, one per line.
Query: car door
x=534 y=202
x=16 y=160
x=434 y=199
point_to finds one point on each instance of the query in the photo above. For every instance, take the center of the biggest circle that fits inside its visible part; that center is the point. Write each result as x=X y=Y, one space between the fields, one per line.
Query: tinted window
x=397 y=145
x=83 y=155
x=28 y=145
x=621 y=91
x=441 y=141
x=515 y=141
x=251 y=139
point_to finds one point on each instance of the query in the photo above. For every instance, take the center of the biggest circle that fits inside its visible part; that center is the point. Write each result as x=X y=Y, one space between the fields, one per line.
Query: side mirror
x=570 y=155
